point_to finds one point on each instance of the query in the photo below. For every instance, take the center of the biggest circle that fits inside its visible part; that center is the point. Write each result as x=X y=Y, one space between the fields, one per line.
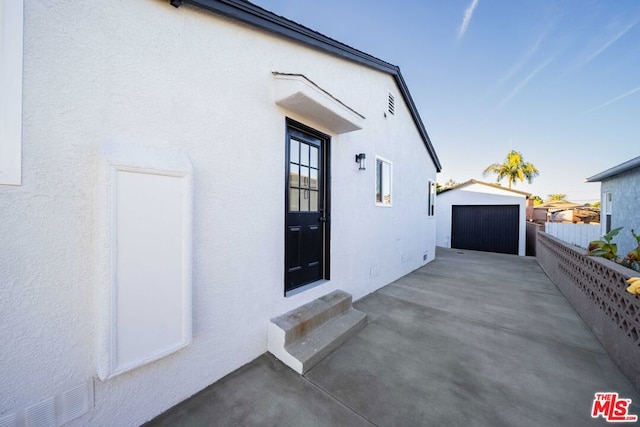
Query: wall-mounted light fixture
x=361 y=160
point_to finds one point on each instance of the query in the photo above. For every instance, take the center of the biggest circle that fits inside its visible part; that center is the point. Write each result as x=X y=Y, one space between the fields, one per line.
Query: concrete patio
x=471 y=339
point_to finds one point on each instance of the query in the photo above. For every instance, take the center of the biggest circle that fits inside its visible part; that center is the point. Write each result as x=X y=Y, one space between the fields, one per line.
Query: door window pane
x=304 y=154
x=294 y=151
x=294 y=200
x=294 y=175
x=304 y=177
x=304 y=200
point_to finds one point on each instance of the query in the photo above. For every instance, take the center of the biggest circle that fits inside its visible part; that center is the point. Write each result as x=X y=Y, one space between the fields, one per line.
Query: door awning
x=300 y=95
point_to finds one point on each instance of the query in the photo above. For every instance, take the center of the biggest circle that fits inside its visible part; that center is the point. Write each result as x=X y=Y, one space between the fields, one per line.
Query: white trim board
x=11 y=40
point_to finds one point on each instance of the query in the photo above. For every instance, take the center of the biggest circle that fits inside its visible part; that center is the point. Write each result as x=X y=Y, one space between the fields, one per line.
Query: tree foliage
x=514 y=168
x=450 y=183
x=447 y=185
x=537 y=200
x=556 y=197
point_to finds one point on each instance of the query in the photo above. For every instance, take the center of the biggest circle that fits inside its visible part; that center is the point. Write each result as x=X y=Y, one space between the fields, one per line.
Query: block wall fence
x=596 y=288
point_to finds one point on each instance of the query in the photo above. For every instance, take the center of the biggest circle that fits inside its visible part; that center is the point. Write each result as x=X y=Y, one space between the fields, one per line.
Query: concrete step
x=304 y=336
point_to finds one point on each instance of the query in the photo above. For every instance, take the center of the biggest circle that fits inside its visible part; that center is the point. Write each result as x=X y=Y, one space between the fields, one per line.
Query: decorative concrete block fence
x=596 y=288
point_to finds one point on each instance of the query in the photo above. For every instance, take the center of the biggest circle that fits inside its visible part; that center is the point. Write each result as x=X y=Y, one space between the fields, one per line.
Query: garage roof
x=488 y=184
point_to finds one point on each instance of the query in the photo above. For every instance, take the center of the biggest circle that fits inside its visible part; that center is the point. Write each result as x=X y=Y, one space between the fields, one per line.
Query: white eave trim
x=296 y=93
x=11 y=21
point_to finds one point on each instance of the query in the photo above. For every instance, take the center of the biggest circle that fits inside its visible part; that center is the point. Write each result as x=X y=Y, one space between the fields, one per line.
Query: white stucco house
x=482 y=216
x=620 y=202
x=172 y=178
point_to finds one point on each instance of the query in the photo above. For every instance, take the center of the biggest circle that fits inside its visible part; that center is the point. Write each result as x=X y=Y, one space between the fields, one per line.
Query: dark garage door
x=490 y=228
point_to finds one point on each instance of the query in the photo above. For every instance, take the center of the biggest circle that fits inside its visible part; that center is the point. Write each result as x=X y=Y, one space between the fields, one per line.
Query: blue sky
x=556 y=80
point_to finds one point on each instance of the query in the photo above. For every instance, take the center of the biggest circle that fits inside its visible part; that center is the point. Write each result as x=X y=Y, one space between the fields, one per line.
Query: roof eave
x=488 y=184
x=616 y=170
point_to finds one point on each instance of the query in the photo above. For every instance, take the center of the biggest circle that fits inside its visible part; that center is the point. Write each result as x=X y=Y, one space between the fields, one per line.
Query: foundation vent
x=55 y=411
x=10 y=420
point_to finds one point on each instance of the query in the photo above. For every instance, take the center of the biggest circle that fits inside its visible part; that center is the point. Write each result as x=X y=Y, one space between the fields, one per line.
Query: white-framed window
x=432 y=199
x=607 y=199
x=11 y=17
x=384 y=180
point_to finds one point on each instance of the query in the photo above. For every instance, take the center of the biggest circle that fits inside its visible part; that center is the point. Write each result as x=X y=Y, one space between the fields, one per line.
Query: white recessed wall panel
x=147 y=303
x=149 y=267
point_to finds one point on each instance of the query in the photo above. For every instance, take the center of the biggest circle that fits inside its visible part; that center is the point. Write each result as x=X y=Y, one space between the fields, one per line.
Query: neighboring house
x=564 y=211
x=577 y=215
x=482 y=216
x=620 y=202
x=182 y=176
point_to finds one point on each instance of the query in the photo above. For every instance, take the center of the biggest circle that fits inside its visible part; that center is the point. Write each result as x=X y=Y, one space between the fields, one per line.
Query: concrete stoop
x=304 y=336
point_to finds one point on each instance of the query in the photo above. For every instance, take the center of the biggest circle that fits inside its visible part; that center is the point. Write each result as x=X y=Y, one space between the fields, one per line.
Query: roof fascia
x=622 y=167
x=487 y=184
x=254 y=15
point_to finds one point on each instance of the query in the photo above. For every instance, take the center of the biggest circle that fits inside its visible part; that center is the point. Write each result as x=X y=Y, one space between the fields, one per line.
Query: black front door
x=306 y=248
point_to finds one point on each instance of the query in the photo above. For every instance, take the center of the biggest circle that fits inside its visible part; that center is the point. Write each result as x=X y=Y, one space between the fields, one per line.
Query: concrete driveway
x=471 y=339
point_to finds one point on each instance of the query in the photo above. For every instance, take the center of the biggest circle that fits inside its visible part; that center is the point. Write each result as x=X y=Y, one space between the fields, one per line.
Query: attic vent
x=392 y=104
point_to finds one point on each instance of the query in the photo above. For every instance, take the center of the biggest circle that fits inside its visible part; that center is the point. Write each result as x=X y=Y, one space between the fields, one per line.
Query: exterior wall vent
x=54 y=411
x=392 y=104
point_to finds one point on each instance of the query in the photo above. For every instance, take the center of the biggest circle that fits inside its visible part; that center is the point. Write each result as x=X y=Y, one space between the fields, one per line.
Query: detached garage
x=481 y=216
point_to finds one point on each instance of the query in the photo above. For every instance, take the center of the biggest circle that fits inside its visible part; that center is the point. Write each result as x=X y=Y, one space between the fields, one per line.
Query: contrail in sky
x=611 y=101
x=610 y=42
x=468 y=13
x=522 y=61
x=522 y=84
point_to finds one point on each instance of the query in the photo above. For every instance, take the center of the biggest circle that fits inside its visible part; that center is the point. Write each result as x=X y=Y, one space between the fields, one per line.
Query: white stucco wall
x=185 y=79
x=625 y=192
x=475 y=194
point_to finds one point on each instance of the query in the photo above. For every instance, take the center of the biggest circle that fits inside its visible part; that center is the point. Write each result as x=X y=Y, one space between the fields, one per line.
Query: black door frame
x=326 y=190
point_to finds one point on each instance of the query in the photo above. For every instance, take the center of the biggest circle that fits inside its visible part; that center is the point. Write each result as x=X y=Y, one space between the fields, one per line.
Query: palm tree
x=514 y=168
x=556 y=197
